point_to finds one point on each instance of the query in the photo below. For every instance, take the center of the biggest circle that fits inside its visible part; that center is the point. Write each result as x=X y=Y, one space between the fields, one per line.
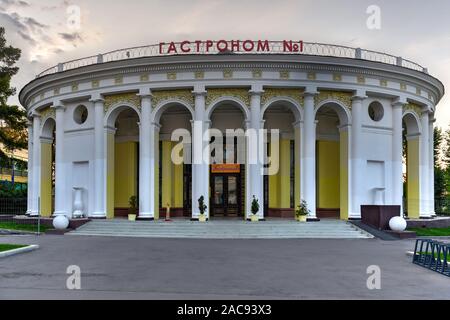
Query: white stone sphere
x=60 y=222
x=398 y=224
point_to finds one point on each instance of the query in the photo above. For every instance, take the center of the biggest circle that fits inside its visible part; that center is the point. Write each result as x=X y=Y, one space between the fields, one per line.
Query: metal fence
x=442 y=207
x=13 y=206
x=275 y=47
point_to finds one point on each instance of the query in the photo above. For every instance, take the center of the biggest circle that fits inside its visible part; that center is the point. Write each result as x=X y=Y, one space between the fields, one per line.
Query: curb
x=19 y=251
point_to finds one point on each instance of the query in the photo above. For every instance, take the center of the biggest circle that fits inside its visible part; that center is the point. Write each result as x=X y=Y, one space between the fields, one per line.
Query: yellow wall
x=172 y=179
x=297 y=167
x=279 y=184
x=46 y=180
x=156 y=151
x=110 y=176
x=328 y=174
x=413 y=179
x=18 y=179
x=344 y=175
x=125 y=173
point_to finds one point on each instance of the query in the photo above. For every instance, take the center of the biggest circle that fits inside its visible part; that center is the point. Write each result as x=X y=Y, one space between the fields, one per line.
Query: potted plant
x=133 y=210
x=254 y=209
x=302 y=212
x=202 y=208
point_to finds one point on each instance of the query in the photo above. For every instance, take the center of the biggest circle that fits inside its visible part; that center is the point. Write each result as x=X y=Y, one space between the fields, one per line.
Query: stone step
x=222 y=229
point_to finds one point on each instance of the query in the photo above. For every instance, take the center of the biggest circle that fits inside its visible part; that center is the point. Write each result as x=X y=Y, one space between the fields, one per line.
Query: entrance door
x=225 y=195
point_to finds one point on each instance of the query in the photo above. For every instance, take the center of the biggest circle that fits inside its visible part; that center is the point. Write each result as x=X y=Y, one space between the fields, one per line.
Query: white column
x=424 y=165
x=200 y=166
x=60 y=173
x=357 y=161
x=36 y=164
x=255 y=182
x=431 y=166
x=99 y=159
x=154 y=159
x=397 y=153
x=30 y=169
x=309 y=152
x=146 y=192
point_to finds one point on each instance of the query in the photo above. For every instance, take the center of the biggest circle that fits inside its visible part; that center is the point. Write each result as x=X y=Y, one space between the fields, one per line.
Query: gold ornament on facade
x=56 y=91
x=42 y=96
x=46 y=114
x=257 y=74
x=228 y=74
x=241 y=94
x=337 y=77
x=403 y=86
x=383 y=83
x=284 y=74
x=311 y=76
x=95 y=83
x=199 y=75
x=361 y=79
x=144 y=77
x=125 y=98
x=418 y=91
x=271 y=93
x=344 y=97
x=414 y=108
x=74 y=87
x=171 y=76
x=118 y=80
x=167 y=95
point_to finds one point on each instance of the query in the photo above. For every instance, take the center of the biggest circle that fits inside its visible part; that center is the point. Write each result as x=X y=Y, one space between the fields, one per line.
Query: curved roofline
x=165 y=63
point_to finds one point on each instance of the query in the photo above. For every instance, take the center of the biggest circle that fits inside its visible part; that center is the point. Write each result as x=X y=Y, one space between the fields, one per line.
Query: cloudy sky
x=415 y=29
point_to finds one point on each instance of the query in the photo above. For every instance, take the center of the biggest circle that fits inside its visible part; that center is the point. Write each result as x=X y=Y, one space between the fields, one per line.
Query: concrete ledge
x=19 y=250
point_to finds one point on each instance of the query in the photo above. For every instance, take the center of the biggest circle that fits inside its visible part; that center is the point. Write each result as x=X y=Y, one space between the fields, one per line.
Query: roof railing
x=275 y=47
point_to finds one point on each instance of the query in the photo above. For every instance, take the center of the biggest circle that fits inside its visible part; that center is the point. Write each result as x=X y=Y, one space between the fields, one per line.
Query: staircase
x=223 y=229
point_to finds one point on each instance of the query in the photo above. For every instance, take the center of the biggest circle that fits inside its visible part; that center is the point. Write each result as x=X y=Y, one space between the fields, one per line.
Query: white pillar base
x=98 y=215
x=146 y=216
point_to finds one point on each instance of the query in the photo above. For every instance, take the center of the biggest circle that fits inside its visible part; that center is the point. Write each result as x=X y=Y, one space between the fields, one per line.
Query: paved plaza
x=148 y=268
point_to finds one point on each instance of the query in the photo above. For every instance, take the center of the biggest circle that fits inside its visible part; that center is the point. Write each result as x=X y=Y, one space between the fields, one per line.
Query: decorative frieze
x=403 y=86
x=144 y=77
x=125 y=98
x=361 y=79
x=118 y=80
x=337 y=77
x=414 y=108
x=270 y=93
x=383 y=83
x=344 y=97
x=184 y=95
x=239 y=93
x=311 y=76
x=74 y=87
x=46 y=114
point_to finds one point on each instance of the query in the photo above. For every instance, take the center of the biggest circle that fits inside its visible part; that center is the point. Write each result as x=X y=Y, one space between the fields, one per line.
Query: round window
x=80 y=114
x=376 y=111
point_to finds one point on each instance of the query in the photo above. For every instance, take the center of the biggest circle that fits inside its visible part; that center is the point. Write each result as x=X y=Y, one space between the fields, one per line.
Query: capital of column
x=156 y=126
x=145 y=93
x=96 y=97
x=311 y=93
x=200 y=93
x=35 y=114
x=58 y=105
x=399 y=102
x=359 y=98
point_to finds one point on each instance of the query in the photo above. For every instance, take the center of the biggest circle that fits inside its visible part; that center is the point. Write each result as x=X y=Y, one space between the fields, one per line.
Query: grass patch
x=431 y=232
x=22 y=227
x=7 y=247
x=435 y=255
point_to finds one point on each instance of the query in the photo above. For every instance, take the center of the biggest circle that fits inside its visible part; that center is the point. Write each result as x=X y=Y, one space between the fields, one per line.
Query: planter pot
x=131 y=217
x=202 y=218
x=301 y=218
x=254 y=218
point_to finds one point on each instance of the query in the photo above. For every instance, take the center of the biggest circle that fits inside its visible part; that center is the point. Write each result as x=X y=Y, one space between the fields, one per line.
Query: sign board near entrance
x=226 y=168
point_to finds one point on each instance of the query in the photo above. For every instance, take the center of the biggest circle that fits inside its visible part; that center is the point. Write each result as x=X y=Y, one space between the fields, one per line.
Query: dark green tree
x=13 y=133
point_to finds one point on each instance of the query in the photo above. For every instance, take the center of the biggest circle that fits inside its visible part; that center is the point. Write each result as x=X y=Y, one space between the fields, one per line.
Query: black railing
x=13 y=206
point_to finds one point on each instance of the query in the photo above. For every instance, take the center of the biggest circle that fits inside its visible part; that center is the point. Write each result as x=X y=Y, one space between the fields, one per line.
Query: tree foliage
x=13 y=133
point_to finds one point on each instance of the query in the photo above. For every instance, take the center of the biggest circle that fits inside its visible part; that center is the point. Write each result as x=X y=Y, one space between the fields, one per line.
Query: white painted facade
x=374 y=147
